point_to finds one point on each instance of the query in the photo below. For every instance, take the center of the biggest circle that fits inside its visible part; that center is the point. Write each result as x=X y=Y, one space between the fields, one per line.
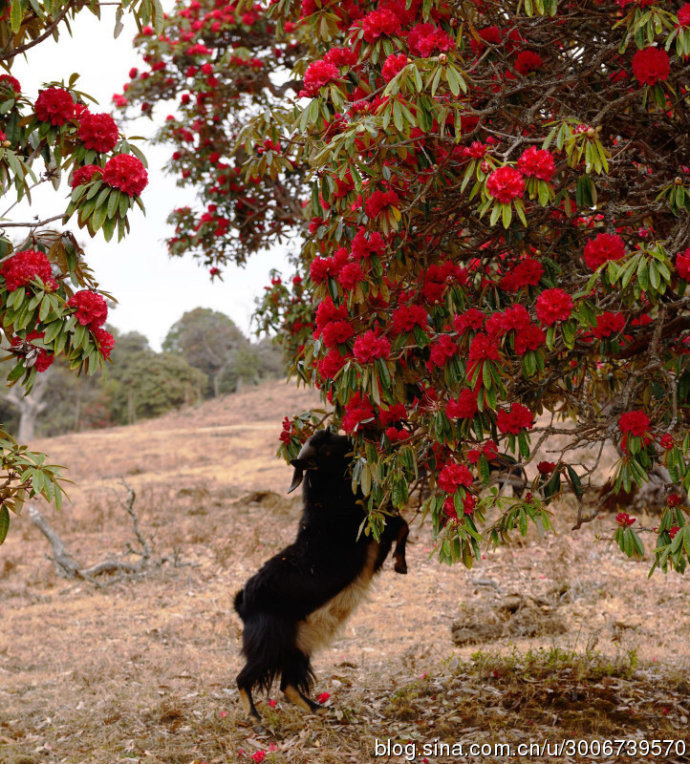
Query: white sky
x=152 y=289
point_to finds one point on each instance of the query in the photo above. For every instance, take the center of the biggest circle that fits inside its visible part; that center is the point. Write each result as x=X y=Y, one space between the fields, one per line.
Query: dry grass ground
x=143 y=670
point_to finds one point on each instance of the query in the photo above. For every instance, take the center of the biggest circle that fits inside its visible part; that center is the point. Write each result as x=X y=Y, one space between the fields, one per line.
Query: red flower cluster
x=424 y=39
x=90 y=308
x=23 y=267
x=453 y=475
x=505 y=184
x=518 y=418
x=546 y=468
x=527 y=61
x=98 y=131
x=601 y=249
x=437 y=278
x=350 y=275
x=336 y=333
x=366 y=246
x=442 y=350
x=105 y=340
x=463 y=407
x=358 y=411
x=666 y=441
x=318 y=74
x=7 y=80
x=369 y=346
x=483 y=348
x=472 y=318
x=406 y=317
x=55 y=105
x=392 y=65
x=127 y=173
x=624 y=519
x=537 y=163
x=331 y=363
x=554 y=305
x=469 y=502
x=532 y=337
x=82 y=175
x=650 y=65
x=341 y=57
x=684 y=15
x=608 y=324
x=380 y=22
x=634 y=423
x=378 y=201
x=683 y=264
x=43 y=359
x=515 y=318
x=527 y=272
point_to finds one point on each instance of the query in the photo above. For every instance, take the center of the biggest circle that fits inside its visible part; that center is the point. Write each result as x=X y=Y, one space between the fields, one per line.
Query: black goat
x=301 y=596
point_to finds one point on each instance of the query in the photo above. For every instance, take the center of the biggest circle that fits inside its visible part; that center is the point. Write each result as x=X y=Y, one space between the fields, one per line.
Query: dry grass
x=143 y=670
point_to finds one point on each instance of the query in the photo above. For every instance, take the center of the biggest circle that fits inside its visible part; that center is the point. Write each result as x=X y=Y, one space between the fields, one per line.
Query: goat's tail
x=268 y=644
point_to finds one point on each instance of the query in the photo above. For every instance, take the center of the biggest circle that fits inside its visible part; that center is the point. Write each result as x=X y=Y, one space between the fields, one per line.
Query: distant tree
x=161 y=382
x=248 y=364
x=204 y=337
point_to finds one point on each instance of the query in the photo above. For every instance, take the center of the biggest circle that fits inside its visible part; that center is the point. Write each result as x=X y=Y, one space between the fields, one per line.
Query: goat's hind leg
x=295 y=680
x=244 y=686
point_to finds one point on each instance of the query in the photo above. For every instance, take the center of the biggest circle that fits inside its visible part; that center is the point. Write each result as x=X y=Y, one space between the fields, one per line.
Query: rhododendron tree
x=50 y=304
x=493 y=202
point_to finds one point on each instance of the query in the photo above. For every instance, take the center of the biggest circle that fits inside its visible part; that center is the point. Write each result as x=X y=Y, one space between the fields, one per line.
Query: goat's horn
x=304 y=461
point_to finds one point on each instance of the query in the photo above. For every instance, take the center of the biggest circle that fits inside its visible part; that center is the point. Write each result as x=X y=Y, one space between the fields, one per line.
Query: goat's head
x=325 y=450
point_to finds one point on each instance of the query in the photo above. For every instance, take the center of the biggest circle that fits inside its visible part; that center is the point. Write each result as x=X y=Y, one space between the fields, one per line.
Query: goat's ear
x=298 y=474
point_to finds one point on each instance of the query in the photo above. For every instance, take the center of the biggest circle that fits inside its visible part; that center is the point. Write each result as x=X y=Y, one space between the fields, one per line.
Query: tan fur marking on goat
x=318 y=628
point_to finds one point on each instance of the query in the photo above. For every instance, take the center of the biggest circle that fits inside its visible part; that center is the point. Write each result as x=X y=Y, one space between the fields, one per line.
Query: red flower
x=341 y=57
x=380 y=22
x=505 y=184
x=392 y=65
x=423 y=39
x=554 y=305
x=331 y=364
x=406 y=317
x=396 y=413
x=350 y=275
x=318 y=74
x=366 y=246
x=98 y=131
x=684 y=15
x=472 y=318
x=358 y=411
x=650 y=65
x=54 y=105
x=537 y=163
x=43 y=359
x=531 y=337
x=376 y=203
x=23 y=267
x=546 y=468
x=674 y=499
x=605 y=247
x=527 y=272
x=443 y=349
x=369 y=346
x=666 y=441
x=463 y=407
x=105 y=340
x=683 y=264
x=490 y=450
x=82 y=175
x=634 y=422
x=8 y=81
x=608 y=324
x=336 y=333
x=91 y=308
x=483 y=348
x=624 y=519
x=327 y=312
x=323 y=697
x=452 y=475
x=127 y=173
x=673 y=530
x=518 y=418
x=527 y=61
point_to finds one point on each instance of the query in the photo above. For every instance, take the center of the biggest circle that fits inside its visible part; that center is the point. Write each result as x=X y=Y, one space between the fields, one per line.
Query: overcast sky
x=152 y=289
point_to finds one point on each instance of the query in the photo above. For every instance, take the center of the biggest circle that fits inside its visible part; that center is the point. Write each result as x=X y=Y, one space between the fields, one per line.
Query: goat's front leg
x=400 y=564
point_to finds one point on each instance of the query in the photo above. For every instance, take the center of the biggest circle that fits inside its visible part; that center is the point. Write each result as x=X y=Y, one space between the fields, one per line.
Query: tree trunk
x=30 y=406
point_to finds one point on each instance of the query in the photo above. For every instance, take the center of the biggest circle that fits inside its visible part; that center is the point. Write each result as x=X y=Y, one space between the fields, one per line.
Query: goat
x=300 y=597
